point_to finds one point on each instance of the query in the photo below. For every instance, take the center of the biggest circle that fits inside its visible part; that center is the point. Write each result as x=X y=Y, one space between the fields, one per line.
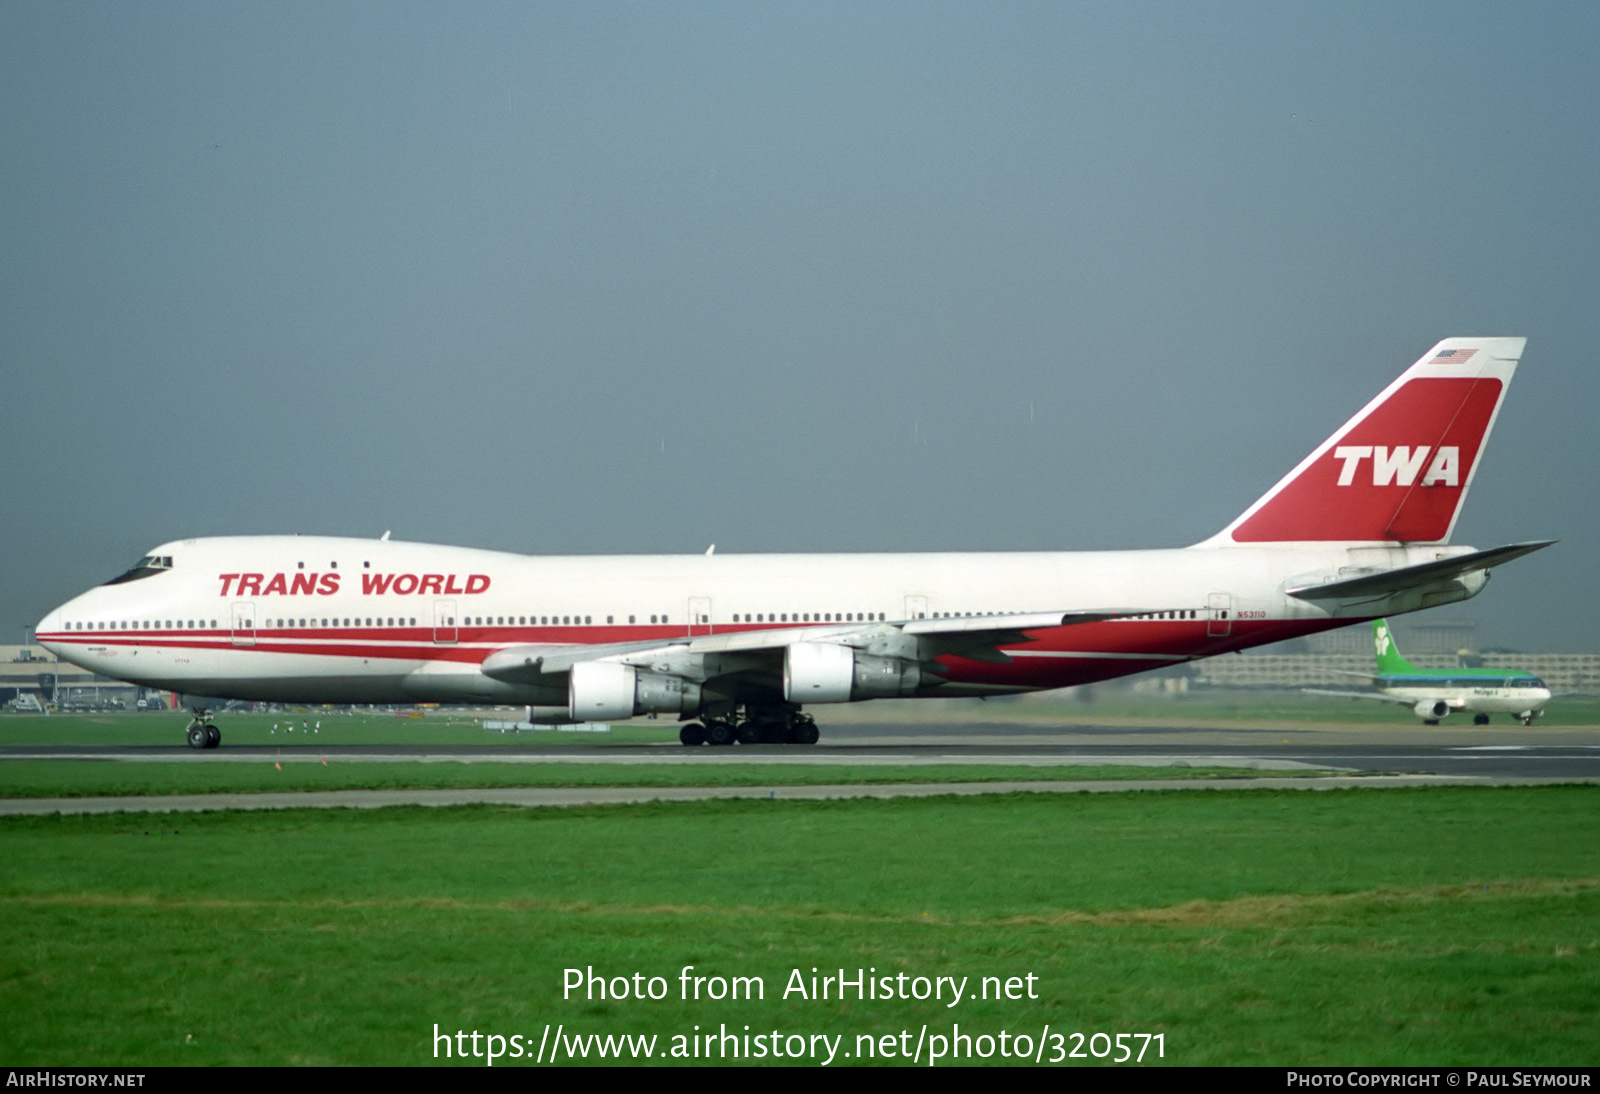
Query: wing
x=979 y=638
x=1361 y=695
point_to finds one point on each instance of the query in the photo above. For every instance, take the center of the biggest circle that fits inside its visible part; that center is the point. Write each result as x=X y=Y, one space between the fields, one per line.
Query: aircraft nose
x=47 y=629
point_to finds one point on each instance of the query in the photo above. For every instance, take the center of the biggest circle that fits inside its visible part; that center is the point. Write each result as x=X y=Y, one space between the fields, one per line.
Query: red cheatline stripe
x=574 y=634
x=1176 y=639
x=409 y=652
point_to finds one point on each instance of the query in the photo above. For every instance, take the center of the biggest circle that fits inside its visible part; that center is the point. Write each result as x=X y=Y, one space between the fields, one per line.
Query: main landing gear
x=202 y=732
x=758 y=727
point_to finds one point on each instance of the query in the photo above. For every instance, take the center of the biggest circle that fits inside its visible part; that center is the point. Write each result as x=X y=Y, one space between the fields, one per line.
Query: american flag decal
x=1452 y=356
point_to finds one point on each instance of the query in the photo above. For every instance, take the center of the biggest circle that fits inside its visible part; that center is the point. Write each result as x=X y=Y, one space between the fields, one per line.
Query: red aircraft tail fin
x=1398 y=471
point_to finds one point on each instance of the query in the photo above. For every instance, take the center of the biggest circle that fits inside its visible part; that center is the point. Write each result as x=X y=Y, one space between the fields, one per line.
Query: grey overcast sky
x=615 y=277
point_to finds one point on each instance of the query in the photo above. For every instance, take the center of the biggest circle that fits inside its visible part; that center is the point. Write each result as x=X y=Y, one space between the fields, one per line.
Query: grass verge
x=76 y=778
x=1423 y=927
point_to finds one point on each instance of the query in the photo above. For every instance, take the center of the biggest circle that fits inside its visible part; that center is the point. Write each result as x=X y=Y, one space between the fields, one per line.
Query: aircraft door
x=699 y=615
x=444 y=622
x=244 y=623
x=1219 y=615
x=916 y=607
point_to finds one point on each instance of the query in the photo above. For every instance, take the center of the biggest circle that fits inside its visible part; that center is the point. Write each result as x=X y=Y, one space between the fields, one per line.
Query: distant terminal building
x=1579 y=672
x=1338 y=657
x=1573 y=672
x=32 y=678
x=1438 y=641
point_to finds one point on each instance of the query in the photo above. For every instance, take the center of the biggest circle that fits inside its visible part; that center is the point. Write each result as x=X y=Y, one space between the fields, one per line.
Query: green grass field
x=71 y=778
x=1444 y=926
x=1394 y=927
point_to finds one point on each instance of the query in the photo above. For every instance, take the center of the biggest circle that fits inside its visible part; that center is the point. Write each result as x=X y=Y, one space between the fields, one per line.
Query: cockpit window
x=148 y=566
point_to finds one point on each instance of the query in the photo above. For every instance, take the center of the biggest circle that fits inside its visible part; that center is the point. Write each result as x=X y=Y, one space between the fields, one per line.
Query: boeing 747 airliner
x=736 y=646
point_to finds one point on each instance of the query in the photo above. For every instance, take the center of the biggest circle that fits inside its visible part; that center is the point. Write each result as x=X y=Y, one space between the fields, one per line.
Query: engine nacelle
x=549 y=716
x=598 y=691
x=1431 y=709
x=825 y=672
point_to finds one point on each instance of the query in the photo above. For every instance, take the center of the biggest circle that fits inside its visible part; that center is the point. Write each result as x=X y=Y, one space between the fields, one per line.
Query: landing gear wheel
x=213 y=736
x=719 y=733
x=198 y=737
x=1480 y=719
x=693 y=734
x=804 y=732
x=752 y=733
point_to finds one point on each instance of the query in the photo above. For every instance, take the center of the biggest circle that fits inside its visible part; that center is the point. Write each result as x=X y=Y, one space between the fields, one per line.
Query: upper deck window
x=148 y=566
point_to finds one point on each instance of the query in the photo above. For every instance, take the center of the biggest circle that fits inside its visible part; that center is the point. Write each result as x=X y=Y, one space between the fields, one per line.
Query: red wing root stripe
x=1102 y=655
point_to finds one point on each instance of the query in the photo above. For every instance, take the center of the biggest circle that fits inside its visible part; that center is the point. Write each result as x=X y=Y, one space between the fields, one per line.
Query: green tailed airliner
x=1433 y=694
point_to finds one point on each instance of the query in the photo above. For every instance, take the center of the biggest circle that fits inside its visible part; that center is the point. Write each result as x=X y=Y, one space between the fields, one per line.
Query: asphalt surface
x=1352 y=756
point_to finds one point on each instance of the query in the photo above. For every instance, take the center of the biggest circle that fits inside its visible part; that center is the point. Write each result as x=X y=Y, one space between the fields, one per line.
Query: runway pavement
x=1358 y=756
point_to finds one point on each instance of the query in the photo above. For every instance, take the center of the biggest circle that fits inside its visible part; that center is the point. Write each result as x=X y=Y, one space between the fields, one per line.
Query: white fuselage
x=315 y=619
x=1520 y=695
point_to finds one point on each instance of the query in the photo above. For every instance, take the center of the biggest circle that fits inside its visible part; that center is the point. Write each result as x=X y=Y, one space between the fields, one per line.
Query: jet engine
x=1431 y=708
x=825 y=672
x=601 y=690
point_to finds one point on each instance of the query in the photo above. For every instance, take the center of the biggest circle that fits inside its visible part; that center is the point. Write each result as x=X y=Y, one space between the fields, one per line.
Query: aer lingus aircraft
x=735 y=646
x=1432 y=694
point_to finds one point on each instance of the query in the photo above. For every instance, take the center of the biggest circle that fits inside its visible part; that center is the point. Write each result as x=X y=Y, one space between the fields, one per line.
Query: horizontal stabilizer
x=1410 y=577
